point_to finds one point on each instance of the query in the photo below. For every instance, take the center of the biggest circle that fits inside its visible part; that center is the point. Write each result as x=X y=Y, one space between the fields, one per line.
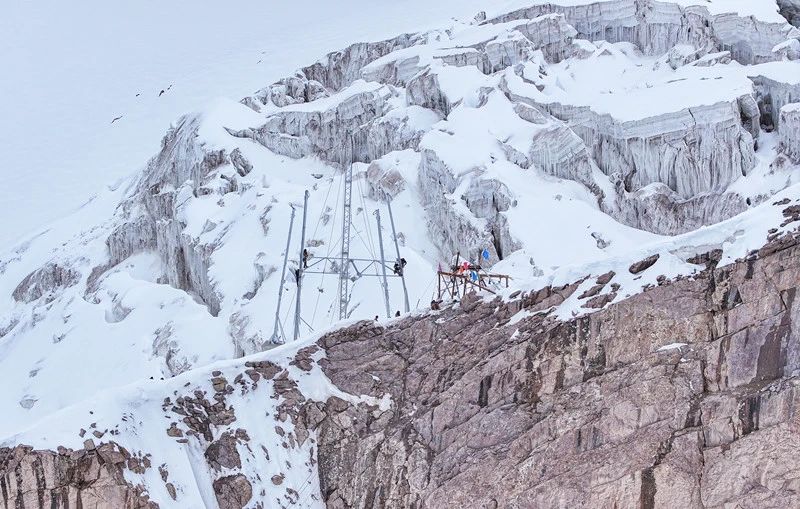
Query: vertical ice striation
x=789 y=131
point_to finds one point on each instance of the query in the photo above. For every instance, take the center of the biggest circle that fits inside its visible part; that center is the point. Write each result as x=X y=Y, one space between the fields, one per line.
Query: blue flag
x=485 y=254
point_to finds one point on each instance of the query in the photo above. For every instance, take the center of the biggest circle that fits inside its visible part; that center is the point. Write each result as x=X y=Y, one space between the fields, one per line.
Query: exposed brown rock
x=591 y=292
x=303 y=358
x=233 y=491
x=174 y=430
x=171 y=490
x=222 y=453
x=200 y=413
x=588 y=413
x=643 y=265
x=220 y=384
x=600 y=301
x=606 y=278
x=264 y=369
x=37 y=479
x=708 y=259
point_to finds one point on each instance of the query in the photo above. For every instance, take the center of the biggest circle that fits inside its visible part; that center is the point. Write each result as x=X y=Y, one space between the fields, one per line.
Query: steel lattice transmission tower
x=344 y=263
x=347 y=268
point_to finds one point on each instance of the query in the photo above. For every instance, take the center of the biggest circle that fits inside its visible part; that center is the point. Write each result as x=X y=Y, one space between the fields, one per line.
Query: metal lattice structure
x=278 y=335
x=344 y=260
x=347 y=268
x=466 y=277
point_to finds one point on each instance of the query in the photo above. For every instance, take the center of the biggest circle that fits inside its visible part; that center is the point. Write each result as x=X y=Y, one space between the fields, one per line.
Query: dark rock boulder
x=233 y=492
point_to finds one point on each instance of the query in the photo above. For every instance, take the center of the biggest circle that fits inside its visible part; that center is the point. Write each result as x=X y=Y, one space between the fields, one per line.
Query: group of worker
x=399 y=267
x=396 y=314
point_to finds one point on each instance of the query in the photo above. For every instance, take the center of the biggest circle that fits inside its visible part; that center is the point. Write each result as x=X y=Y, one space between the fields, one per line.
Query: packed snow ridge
x=569 y=138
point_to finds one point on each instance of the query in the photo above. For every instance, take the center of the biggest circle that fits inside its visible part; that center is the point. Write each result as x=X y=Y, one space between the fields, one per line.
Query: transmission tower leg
x=277 y=338
x=397 y=249
x=383 y=265
x=344 y=269
x=300 y=268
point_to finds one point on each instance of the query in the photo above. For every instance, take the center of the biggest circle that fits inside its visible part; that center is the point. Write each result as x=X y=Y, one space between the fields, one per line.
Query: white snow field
x=567 y=147
x=70 y=68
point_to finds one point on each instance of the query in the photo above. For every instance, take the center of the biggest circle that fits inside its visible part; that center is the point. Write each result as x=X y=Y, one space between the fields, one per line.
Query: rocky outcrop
x=233 y=492
x=684 y=395
x=90 y=477
x=608 y=410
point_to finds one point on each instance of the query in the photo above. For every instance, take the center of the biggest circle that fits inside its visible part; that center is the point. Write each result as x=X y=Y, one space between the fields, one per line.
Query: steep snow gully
x=633 y=165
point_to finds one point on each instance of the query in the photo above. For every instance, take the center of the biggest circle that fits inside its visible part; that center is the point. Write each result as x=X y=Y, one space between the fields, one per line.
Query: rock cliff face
x=684 y=395
x=92 y=477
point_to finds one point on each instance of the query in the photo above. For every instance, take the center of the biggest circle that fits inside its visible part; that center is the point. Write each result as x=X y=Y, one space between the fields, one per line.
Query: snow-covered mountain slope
x=572 y=140
x=684 y=395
